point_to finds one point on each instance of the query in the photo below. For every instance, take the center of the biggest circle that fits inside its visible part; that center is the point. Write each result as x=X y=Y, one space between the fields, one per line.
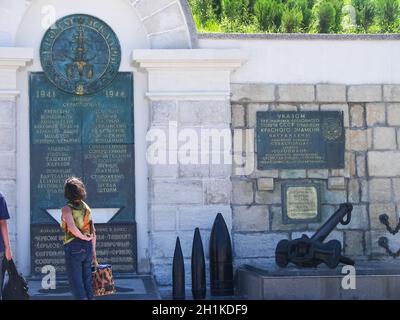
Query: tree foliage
x=307 y=16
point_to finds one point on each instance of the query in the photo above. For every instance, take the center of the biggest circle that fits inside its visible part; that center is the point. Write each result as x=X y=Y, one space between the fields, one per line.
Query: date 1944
x=201 y=309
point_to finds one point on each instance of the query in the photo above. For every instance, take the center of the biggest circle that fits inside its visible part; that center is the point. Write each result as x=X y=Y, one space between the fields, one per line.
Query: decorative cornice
x=224 y=59
x=9 y=95
x=15 y=58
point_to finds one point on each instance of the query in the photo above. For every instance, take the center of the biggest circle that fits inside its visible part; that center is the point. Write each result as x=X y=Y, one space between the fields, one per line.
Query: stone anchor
x=310 y=252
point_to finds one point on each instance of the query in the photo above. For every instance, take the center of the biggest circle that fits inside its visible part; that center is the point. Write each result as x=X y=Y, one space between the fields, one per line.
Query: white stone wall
x=369 y=181
x=186 y=196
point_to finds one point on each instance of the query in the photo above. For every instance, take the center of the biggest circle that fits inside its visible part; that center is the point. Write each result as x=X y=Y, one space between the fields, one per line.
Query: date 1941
x=201 y=309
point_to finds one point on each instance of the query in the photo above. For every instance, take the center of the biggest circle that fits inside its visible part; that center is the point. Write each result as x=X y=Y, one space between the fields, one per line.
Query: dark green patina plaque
x=91 y=137
x=80 y=54
x=301 y=202
x=116 y=245
x=81 y=124
x=86 y=136
x=300 y=140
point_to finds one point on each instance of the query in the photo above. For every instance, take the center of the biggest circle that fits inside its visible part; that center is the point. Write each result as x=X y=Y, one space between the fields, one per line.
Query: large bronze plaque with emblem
x=300 y=140
x=81 y=124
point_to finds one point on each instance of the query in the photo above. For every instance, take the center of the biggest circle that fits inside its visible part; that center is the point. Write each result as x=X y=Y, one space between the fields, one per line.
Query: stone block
x=257 y=244
x=357 y=116
x=252 y=110
x=354 y=243
x=309 y=107
x=173 y=191
x=169 y=18
x=296 y=93
x=163 y=111
x=269 y=197
x=364 y=191
x=383 y=163
x=396 y=189
x=333 y=196
x=391 y=93
x=8 y=165
x=354 y=191
x=7 y=139
x=164 y=218
x=384 y=138
x=357 y=140
x=361 y=165
x=331 y=93
x=277 y=221
x=218 y=191
x=7 y=114
x=359 y=219
x=293 y=174
x=376 y=114
x=252 y=219
x=194 y=170
x=203 y=216
x=377 y=209
x=283 y=107
x=265 y=184
x=318 y=173
x=364 y=93
x=204 y=112
x=238 y=116
x=380 y=190
x=242 y=192
x=393 y=114
x=253 y=92
x=336 y=183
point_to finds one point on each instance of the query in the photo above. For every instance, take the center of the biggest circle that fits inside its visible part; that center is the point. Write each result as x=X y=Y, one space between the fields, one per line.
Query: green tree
x=324 y=17
x=291 y=20
x=217 y=8
x=305 y=6
x=268 y=14
x=387 y=15
x=365 y=13
x=236 y=10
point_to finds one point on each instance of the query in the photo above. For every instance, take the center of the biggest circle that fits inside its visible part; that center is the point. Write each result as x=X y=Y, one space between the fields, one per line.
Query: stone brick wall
x=185 y=196
x=370 y=180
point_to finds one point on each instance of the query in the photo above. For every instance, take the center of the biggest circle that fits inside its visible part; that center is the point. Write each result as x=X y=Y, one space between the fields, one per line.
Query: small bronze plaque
x=301 y=202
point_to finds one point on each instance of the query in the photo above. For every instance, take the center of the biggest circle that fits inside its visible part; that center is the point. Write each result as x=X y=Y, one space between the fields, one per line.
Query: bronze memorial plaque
x=301 y=202
x=300 y=140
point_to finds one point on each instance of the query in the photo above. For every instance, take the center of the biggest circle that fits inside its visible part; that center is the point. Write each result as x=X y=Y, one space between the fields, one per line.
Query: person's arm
x=94 y=244
x=69 y=220
x=6 y=239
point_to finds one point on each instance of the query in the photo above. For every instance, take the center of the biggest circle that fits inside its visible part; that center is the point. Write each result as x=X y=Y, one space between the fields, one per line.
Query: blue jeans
x=78 y=258
x=1 y=274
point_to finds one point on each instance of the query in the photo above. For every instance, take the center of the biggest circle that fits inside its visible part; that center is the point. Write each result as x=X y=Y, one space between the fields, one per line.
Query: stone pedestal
x=374 y=281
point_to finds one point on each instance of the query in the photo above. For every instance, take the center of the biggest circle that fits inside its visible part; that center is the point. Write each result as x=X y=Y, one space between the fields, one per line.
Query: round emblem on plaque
x=80 y=54
x=332 y=128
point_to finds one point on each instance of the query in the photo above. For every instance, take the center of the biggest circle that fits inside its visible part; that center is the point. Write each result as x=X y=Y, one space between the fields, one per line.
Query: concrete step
x=129 y=287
